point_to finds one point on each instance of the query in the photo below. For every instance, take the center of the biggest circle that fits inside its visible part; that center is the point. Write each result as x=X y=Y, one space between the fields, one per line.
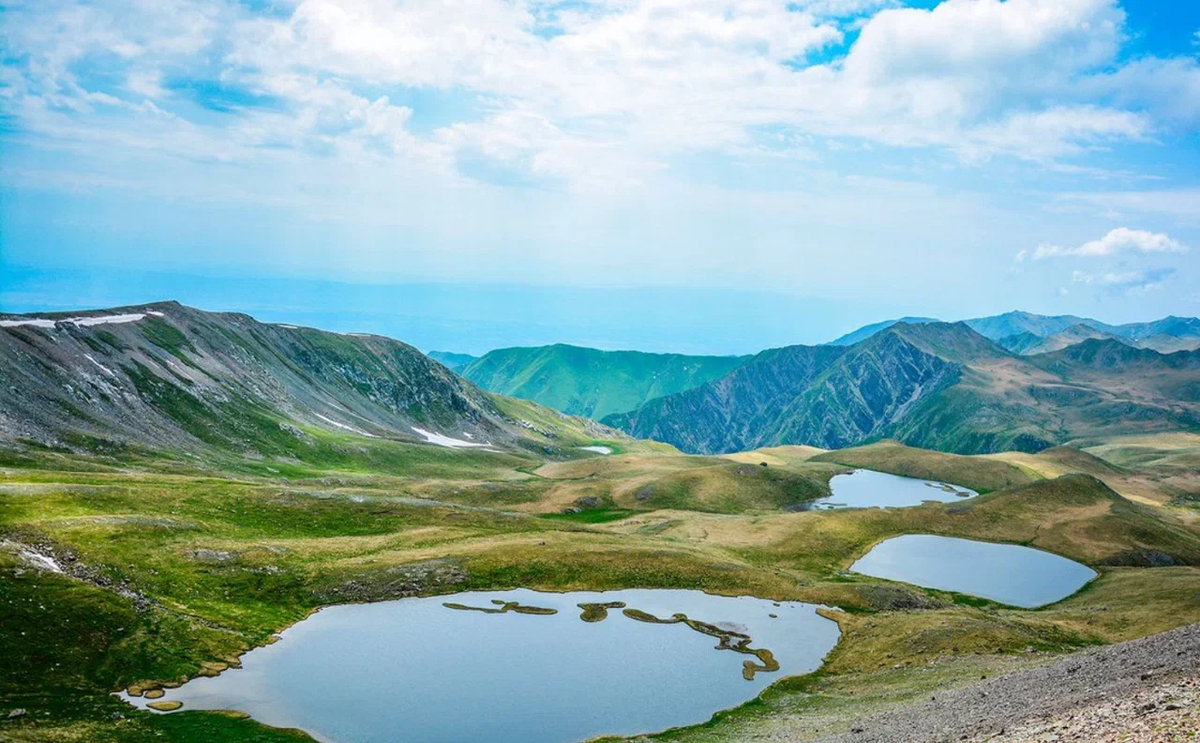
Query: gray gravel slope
x=1079 y=681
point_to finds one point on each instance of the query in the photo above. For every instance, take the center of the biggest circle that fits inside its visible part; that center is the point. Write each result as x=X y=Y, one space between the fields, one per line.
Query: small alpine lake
x=517 y=665
x=870 y=489
x=1007 y=573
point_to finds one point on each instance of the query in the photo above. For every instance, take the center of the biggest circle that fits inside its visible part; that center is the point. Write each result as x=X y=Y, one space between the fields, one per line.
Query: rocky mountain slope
x=589 y=382
x=1023 y=331
x=1027 y=344
x=165 y=376
x=935 y=385
x=866 y=331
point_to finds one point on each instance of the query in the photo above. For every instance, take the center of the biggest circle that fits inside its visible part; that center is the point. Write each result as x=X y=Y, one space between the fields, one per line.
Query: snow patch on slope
x=352 y=429
x=86 y=322
x=440 y=440
x=103 y=368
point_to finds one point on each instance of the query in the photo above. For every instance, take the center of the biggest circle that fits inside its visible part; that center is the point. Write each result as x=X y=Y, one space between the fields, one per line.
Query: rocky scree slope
x=168 y=376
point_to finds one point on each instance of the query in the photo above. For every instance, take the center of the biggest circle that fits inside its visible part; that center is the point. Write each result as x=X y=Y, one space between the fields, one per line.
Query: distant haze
x=475 y=318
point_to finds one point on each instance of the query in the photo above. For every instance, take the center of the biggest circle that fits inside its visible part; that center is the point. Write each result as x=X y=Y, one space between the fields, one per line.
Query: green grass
x=225 y=558
x=592 y=516
x=592 y=383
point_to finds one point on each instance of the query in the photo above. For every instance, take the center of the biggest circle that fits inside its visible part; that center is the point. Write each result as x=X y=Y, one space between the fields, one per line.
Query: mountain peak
x=866 y=331
x=952 y=341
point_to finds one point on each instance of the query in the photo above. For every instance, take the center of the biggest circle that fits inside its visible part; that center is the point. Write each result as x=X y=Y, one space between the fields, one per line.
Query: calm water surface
x=1008 y=573
x=415 y=671
x=869 y=489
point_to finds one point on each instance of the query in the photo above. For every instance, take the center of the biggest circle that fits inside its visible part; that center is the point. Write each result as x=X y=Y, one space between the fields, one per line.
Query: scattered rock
x=397 y=581
x=1138 y=558
x=154 y=694
x=896 y=598
x=1109 y=694
x=207 y=555
x=165 y=706
x=18 y=712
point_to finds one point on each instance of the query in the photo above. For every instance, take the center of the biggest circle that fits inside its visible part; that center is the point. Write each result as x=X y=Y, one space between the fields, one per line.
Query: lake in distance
x=870 y=489
x=1007 y=573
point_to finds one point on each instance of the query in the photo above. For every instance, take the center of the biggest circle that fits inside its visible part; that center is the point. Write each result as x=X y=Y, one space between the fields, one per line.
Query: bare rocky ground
x=1167 y=713
x=1144 y=690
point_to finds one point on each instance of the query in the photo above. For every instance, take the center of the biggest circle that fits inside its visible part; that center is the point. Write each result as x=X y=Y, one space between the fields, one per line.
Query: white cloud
x=606 y=91
x=1170 y=88
x=1119 y=240
x=1128 y=282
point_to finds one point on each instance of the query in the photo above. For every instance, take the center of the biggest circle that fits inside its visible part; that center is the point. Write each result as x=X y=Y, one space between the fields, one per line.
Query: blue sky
x=678 y=174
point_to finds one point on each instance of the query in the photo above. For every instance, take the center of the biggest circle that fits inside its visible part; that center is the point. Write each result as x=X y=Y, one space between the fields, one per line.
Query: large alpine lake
x=517 y=665
x=1008 y=573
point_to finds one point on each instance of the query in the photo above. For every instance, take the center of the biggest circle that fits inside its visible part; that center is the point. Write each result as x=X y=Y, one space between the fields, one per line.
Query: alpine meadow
x=523 y=371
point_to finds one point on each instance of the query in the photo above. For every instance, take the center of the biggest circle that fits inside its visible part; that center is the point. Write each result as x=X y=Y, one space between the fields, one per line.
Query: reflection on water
x=869 y=489
x=517 y=665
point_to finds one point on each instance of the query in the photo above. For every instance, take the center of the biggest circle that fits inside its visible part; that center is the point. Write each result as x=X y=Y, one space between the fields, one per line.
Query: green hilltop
x=589 y=382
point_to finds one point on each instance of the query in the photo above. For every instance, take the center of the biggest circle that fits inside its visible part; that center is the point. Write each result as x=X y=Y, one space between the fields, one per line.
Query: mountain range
x=935 y=385
x=450 y=360
x=645 y=394
x=1024 y=330
x=592 y=383
x=167 y=377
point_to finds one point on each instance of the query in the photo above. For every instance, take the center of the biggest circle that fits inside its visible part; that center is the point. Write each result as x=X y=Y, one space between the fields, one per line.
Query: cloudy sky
x=690 y=174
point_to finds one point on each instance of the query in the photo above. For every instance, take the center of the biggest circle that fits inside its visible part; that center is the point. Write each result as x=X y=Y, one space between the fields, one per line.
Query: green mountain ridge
x=866 y=331
x=934 y=385
x=451 y=360
x=589 y=382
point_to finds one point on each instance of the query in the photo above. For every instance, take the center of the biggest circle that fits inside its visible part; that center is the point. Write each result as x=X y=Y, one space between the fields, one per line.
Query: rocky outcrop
x=827 y=396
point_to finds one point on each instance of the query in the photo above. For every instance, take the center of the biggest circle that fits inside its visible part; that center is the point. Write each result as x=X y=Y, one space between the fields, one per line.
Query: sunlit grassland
x=222 y=560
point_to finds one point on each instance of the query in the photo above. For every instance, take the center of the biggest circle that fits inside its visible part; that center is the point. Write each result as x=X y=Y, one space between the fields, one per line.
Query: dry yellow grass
x=777 y=455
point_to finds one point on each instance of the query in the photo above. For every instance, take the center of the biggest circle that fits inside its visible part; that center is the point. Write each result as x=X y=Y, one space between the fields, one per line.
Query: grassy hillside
x=592 y=383
x=979 y=474
x=168 y=576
